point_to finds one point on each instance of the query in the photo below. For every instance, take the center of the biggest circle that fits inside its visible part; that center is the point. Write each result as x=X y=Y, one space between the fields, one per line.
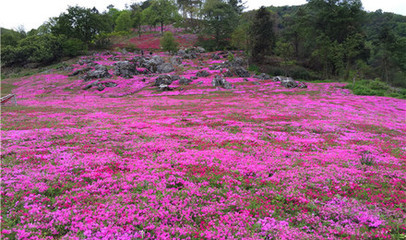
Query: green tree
x=337 y=19
x=162 y=12
x=42 y=49
x=262 y=35
x=123 y=22
x=168 y=43
x=81 y=23
x=220 y=20
x=137 y=17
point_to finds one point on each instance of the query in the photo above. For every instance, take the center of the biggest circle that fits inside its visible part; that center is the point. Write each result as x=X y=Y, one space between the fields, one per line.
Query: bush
x=73 y=47
x=376 y=88
x=168 y=43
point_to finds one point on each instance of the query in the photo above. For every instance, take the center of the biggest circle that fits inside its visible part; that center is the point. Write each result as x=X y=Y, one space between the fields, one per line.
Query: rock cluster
x=288 y=82
x=99 y=72
x=125 y=69
x=219 y=81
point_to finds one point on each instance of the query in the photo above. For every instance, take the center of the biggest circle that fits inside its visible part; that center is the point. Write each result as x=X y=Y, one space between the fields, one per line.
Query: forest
x=319 y=40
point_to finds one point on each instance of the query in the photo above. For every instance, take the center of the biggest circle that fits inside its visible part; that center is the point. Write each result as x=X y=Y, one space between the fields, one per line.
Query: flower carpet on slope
x=199 y=162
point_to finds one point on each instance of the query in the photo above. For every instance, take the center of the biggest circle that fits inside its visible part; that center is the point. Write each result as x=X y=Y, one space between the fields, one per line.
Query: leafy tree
x=162 y=12
x=137 y=17
x=262 y=34
x=38 y=49
x=123 y=21
x=168 y=42
x=337 y=19
x=72 y=47
x=10 y=37
x=220 y=21
x=81 y=23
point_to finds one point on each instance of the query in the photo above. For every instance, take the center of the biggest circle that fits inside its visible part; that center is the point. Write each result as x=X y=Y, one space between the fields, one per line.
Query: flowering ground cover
x=199 y=162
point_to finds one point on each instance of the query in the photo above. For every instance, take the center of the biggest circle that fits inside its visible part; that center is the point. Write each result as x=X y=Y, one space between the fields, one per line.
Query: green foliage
x=10 y=37
x=376 y=88
x=220 y=20
x=262 y=34
x=123 y=22
x=168 y=43
x=73 y=47
x=42 y=49
x=162 y=12
x=81 y=23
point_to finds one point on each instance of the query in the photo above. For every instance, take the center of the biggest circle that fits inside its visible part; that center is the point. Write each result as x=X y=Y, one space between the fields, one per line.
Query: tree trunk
x=162 y=28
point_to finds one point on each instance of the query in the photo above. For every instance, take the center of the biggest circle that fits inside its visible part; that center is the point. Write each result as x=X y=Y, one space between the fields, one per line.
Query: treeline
x=321 y=39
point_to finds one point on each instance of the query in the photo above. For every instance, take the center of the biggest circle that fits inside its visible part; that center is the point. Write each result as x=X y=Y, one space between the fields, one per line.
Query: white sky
x=32 y=13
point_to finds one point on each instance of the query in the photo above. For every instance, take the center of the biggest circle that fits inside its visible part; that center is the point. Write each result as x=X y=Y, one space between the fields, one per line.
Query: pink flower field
x=200 y=162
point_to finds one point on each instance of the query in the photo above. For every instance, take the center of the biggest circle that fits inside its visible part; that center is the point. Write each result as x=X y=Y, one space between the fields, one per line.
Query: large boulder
x=301 y=85
x=165 y=68
x=218 y=81
x=125 y=69
x=88 y=86
x=202 y=73
x=215 y=56
x=262 y=76
x=175 y=60
x=289 y=83
x=80 y=71
x=240 y=71
x=99 y=72
x=184 y=81
x=163 y=80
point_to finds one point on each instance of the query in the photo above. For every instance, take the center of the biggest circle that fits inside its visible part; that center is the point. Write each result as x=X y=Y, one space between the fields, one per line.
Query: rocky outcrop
x=218 y=81
x=184 y=81
x=99 y=72
x=163 y=80
x=165 y=68
x=288 y=82
x=175 y=60
x=262 y=76
x=202 y=73
x=125 y=69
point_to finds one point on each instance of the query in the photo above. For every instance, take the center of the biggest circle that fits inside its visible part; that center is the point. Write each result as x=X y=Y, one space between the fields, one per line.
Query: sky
x=31 y=14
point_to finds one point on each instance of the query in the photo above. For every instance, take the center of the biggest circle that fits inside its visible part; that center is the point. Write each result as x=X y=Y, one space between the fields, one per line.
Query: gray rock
x=100 y=87
x=184 y=81
x=240 y=72
x=125 y=69
x=262 y=76
x=200 y=49
x=110 y=84
x=215 y=56
x=99 y=72
x=157 y=59
x=301 y=85
x=203 y=73
x=175 y=77
x=218 y=81
x=165 y=68
x=289 y=83
x=181 y=52
x=175 y=60
x=164 y=87
x=193 y=77
x=163 y=80
x=256 y=83
x=88 y=86
x=228 y=73
x=80 y=71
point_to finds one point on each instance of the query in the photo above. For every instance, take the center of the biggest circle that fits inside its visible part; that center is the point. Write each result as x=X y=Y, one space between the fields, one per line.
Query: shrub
x=73 y=47
x=168 y=43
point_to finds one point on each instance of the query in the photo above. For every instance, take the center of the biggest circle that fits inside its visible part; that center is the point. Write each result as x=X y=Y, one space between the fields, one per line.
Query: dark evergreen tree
x=262 y=35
